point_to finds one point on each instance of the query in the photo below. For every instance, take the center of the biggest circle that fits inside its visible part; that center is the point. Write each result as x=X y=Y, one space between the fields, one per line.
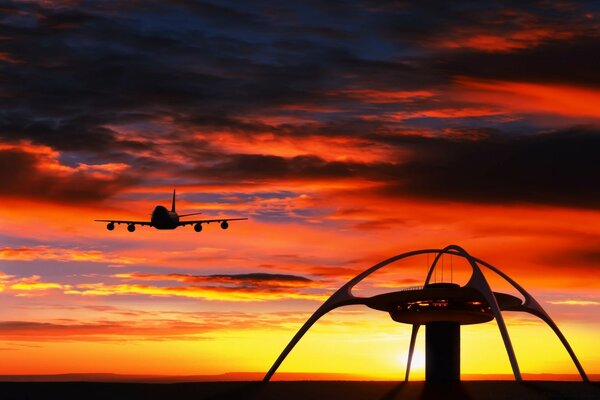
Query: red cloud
x=531 y=97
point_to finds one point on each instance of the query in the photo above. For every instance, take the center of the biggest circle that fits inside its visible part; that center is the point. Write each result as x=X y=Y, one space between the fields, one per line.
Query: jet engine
x=224 y=225
x=110 y=226
x=198 y=227
x=131 y=227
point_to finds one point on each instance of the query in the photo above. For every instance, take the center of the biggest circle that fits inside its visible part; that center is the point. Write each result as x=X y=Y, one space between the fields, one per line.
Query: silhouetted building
x=442 y=308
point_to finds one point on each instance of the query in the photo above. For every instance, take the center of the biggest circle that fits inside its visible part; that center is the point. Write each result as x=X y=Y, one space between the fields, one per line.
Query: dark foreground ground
x=342 y=390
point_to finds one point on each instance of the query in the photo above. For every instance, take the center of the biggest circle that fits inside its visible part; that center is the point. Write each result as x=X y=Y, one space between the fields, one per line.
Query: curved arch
x=532 y=306
x=344 y=297
x=411 y=350
x=480 y=284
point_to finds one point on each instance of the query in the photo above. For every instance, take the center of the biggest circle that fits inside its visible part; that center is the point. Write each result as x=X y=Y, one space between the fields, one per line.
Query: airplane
x=165 y=219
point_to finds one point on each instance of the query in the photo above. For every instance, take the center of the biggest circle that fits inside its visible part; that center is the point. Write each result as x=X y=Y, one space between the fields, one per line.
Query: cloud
x=576 y=302
x=4 y=280
x=107 y=330
x=246 y=280
x=31 y=170
x=223 y=287
x=485 y=165
x=547 y=168
x=251 y=287
x=559 y=63
x=380 y=223
x=530 y=97
x=260 y=166
x=294 y=101
x=63 y=254
x=382 y=96
x=34 y=283
x=115 y=324
x=519 y=39
x=210 y=293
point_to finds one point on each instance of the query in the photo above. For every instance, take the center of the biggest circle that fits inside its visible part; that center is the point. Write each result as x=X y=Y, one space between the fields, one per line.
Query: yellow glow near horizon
x=184 y=326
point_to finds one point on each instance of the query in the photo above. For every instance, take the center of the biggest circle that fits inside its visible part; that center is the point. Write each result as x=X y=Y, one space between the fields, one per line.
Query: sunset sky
x=347 y=132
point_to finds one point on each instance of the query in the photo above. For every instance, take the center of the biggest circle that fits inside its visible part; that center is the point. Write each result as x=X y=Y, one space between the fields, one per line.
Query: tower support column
x=442 y=352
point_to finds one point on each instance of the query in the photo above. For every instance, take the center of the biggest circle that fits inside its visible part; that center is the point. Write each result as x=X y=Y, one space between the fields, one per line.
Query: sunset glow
x=347 y=133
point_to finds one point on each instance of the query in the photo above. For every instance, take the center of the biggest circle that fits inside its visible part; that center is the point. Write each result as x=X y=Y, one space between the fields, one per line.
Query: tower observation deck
x=442 y=308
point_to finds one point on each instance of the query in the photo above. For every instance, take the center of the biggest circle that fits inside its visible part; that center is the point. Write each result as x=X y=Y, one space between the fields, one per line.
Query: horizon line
x=257 y=376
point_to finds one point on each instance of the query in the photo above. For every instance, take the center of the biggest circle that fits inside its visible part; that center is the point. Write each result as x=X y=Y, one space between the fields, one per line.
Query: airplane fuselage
x=164 y=219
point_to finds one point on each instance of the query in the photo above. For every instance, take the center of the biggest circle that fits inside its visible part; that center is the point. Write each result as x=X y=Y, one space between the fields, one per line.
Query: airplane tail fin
x=173 y=203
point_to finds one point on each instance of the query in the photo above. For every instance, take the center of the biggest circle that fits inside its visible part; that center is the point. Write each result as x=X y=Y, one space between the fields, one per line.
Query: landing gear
x=131 y=227
x=198 y=227
x=224 y=225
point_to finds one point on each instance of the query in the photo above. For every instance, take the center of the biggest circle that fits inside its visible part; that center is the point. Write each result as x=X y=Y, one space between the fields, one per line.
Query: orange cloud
x=34 y=283
x=523 y=97
x=246 y=280
x=327 y=148
x=576 y=302
x=491 y=42
x=382 y=96
x=9 y=58
x=143 y=325
x=48 y=160
x=30 y=286
x=63 y=254
x=38 y=172
x=4 y=280
x=462 y=112
x=212 y=293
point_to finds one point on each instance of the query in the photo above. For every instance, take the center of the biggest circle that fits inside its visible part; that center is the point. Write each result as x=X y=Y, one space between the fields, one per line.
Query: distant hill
x=298 y=390
x=257 y=376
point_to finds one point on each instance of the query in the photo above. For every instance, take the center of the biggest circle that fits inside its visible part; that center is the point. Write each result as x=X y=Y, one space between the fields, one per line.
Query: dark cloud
x=258 y=277
x=137 y=83
x=575 y=258
x=80 y=133
x=7 y=326
x=556 y=167
x=269 y=167
x=222 y=15
x=567 y=62
x=30 y=174
x=545 y=168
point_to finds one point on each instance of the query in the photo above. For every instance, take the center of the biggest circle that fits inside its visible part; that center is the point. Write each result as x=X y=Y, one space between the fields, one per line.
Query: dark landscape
x=346 y=390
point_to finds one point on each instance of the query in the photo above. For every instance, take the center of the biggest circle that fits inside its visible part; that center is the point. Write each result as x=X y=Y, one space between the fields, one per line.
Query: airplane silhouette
x=165 y=219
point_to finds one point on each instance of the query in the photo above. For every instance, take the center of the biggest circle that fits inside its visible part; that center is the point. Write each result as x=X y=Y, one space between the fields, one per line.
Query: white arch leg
x=411 y=350
x=533 y=307
x=338 y=299
x=479 y=283
x=310 y=322
x=342 y=297
x=544 y=317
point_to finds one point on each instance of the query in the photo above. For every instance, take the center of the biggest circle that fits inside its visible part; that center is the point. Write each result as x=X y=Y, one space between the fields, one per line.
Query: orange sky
x=108 y=294
x=344 y=143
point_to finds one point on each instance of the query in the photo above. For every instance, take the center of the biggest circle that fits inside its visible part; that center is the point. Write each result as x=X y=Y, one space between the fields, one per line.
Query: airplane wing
x=208 y=221
x=116 y=221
